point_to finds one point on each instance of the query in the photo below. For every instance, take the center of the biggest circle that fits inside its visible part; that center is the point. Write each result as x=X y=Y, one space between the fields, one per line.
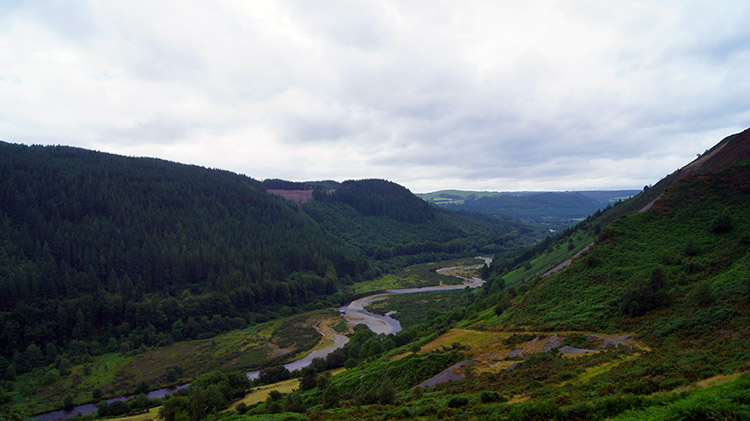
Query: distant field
x=415 y=276
x=454 y=196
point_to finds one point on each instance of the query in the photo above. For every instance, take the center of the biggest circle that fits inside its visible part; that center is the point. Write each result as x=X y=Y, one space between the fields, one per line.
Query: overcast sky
x=495 y=95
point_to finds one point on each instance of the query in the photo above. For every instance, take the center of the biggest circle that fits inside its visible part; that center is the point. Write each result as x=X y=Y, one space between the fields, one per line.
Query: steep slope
x=651 y=322
x=672 y=268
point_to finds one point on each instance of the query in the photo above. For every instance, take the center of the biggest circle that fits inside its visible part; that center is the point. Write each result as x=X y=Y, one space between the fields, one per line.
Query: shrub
x=330 y=397
x=722 y=224
x=562 y=399
x=458 y=402
x=691 y=248
x=644 y=295
x=68 y=402
x=502 y=306
x=491 y=396
x=672 y=383
x=51 y=377
x=592 y=261
x=702 y=294
x=241 y=408
x=294 y=403
x=386 y=394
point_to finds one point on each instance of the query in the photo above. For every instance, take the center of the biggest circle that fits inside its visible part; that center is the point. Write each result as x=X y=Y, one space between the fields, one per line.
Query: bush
x=592 y=261
x=491 y=396
x=458 y=402
x=386 y=394
x=330 y=397
x=644 y=295
x=502 y=306
x=702 y=294
x=691 y=248
x=722 y=224
x=241 y=408
x=294 y=403
x=68 y=402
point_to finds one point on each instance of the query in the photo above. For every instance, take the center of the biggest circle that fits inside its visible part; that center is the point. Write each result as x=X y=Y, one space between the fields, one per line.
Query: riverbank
x=354 y=313
x=117 y=374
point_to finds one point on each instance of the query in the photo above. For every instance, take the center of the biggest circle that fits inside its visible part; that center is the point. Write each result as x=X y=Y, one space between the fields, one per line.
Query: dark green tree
x=197 y=406
x=386 y=394
x=309 y=379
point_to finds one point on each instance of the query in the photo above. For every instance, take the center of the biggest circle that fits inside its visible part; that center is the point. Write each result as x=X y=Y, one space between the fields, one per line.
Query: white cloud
x=432 y=94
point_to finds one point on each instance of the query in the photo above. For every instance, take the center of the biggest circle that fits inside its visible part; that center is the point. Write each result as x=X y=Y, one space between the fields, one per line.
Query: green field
x=414 y=309
x=456 y=197
x=117 y=374
x=415 y=276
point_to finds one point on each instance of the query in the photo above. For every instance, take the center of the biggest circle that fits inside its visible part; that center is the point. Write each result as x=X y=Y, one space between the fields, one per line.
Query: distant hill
x=392 y=225
x=554 y=210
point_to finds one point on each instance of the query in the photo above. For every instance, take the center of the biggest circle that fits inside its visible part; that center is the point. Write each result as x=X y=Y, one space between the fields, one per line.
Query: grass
x=117 y=374
x=587 y=295
x=151 y=414
x=729 y=401
x=548 y=260
x=417 y=308
x=260 y=394
x=457 y=196
x=592 y=372
x=415 y=276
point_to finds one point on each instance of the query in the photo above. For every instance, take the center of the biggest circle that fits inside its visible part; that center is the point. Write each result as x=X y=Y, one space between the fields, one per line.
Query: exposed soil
x=450 y=374
x=297 y=196
x=567 y=262
x=488 y=351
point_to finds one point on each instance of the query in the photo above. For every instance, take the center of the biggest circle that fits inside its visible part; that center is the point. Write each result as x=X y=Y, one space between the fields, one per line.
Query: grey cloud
x=419 y=92
x=158 y=130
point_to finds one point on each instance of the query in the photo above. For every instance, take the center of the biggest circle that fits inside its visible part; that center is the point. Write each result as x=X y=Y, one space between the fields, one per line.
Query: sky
x=473 y=95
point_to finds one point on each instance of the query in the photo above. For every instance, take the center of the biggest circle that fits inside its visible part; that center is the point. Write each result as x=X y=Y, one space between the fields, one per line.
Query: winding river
x=354 y=313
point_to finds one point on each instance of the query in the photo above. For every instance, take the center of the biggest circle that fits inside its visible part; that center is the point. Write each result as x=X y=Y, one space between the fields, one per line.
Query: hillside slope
x=651 y=322
x=396 y=228
x=95 y=245
x=102 y=253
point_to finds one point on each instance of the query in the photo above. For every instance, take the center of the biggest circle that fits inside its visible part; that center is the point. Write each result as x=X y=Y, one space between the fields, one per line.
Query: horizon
x=537 y=96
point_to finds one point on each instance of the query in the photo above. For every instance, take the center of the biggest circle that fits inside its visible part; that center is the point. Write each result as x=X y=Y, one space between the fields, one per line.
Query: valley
x=365 y=302
x=269 y=336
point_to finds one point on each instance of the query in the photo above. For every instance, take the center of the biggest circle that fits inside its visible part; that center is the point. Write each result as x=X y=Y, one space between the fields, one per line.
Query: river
x=353 y=312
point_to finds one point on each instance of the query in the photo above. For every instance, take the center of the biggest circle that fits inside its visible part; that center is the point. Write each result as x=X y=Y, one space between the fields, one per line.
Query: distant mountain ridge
x=555 y=210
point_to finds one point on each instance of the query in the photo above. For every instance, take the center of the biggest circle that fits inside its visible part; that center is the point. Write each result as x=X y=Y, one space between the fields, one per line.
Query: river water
x=353 y=312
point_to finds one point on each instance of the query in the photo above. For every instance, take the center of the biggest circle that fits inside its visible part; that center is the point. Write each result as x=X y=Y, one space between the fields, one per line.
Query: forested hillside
x=100 y=252
x=94 y=246
x=396 y=228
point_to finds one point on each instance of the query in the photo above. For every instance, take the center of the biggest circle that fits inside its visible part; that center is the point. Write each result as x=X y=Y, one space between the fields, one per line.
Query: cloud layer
x=541 y=95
